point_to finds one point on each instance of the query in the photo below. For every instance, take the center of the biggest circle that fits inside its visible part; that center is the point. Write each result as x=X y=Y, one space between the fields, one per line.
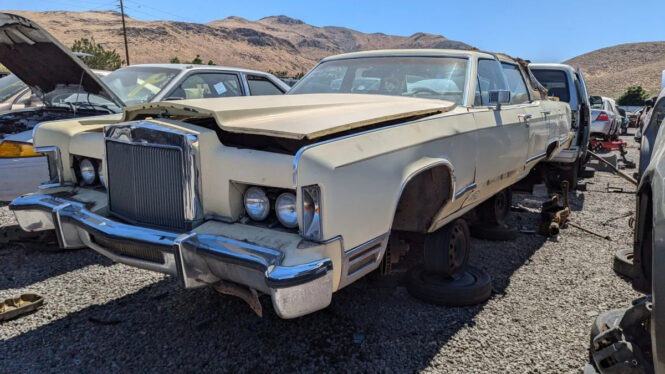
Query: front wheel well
x=423 y=196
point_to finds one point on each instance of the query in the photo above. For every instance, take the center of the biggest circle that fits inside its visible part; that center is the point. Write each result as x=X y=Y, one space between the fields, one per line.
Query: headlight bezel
x=312 y=227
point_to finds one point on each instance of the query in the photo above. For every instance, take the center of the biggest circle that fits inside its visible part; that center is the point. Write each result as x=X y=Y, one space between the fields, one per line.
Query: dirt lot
x=102 y=317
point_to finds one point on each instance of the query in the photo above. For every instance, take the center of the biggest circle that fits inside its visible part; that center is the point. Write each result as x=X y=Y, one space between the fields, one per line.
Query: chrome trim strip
x=536 y=157
x=465 y=190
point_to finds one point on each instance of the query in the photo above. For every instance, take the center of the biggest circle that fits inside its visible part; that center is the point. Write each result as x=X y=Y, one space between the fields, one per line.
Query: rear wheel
x=446 y=250
x=496 y=209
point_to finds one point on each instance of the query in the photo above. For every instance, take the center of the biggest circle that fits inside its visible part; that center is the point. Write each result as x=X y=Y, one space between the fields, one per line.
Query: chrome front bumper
x=196 y=258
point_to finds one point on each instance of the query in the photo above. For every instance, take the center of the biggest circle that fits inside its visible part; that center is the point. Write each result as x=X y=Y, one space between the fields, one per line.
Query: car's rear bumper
x=21 y=175
x=197 y=258
x=603 y=127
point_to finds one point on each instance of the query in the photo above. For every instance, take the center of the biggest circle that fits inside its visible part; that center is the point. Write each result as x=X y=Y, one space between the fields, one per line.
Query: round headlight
x=88 y=172
x=285 y=208
x=257 y=204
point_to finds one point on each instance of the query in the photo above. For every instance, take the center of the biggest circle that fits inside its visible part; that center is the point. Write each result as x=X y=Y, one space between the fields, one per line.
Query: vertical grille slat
x=145 y=183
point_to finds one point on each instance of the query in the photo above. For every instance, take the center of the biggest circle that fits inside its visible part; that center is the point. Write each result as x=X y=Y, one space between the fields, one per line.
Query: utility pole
x=124 y=32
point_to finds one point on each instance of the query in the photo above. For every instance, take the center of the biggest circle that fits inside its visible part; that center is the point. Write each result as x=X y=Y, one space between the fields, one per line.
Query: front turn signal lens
x=11 y=149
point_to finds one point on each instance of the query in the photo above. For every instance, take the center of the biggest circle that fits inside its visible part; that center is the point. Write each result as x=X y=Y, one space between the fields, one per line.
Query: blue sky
x=540 y=31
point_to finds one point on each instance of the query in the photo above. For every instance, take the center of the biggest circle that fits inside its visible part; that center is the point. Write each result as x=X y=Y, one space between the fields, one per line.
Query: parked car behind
x=57 y=95
x=649 y=240
x=568 y=85
x=296 y=196
x=605 y=116
x=12 y=90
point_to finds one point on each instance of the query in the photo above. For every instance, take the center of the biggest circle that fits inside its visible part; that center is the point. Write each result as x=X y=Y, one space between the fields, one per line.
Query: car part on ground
x=471 y=287
x=553 y=214
x=16 y=307
x=623 y=263
x=620 y=173
x=621 y=341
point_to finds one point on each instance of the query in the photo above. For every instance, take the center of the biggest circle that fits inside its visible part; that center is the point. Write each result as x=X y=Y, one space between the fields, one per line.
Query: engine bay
x=15 y=122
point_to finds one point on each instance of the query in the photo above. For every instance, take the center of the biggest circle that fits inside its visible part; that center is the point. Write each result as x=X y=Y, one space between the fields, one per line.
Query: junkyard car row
x=230 y=178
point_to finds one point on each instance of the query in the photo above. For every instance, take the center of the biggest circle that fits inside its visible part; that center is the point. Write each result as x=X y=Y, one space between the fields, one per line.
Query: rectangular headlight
x=311 y=213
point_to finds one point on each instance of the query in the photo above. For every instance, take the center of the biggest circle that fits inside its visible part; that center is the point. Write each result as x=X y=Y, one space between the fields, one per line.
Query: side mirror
x=648 y=103
x=499 y=97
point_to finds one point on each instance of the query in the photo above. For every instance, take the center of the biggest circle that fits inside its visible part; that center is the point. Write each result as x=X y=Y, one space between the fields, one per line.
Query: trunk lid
x=41 y=62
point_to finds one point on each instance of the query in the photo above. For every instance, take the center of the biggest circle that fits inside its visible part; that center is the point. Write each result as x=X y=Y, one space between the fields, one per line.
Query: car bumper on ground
x=196 y=258
x=21 y=175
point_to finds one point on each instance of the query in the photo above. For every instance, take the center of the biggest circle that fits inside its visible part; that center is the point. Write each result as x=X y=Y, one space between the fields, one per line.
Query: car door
x=537 y=120
x=584 y=115
x=502 y=135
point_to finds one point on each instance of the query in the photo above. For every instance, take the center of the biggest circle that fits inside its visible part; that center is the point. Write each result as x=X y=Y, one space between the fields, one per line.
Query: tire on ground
x=623 y=263
x=471 y=287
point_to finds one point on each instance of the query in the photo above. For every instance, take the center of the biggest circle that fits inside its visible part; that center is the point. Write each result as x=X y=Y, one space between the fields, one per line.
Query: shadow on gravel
x=371 y=326
x=21 y=267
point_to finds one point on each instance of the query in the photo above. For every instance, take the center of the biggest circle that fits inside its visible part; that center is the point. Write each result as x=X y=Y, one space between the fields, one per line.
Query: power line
x=176 y=16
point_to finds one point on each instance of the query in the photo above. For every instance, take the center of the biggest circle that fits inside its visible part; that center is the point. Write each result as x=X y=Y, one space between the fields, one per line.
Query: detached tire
x=623 y=263
x=471 y=287
x=495 y=210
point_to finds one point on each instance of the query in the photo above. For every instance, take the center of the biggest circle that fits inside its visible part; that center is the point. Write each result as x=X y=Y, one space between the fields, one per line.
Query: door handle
x=546 y=112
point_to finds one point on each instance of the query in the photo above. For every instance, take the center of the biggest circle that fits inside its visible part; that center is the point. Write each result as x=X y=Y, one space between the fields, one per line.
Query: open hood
x=40 y=61
x=298 y=117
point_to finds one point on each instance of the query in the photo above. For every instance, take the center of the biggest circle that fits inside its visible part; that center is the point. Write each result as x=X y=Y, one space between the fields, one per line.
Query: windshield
x=427 y=77
x=139 y=84
x=10 y=85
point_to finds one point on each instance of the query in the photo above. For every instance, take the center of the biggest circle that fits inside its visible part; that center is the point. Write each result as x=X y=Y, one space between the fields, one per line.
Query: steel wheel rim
x=457 y=247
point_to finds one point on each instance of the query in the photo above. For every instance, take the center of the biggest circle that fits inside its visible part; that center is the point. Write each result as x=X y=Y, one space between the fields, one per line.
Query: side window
x=262 y=86
x=208 y=85
x=516 y=85
x=490 y=78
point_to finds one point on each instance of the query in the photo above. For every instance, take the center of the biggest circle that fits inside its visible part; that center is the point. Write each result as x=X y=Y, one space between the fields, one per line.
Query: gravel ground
x=105 y=317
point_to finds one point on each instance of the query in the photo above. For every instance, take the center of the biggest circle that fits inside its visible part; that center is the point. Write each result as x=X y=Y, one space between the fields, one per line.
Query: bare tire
x=623 y=263
x=495 y=210
x=446 y=250
x=470 y=287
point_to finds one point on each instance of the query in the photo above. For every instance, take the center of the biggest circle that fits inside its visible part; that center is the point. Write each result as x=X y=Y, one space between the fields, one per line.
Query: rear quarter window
x=555 y=81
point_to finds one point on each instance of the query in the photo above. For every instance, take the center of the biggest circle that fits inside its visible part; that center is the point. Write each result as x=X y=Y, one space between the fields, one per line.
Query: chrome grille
x=153 y=175
x=145 y=183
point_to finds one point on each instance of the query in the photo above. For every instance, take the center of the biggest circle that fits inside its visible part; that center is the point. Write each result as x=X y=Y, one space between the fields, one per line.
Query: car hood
x=307 y=116
x=40 y=61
